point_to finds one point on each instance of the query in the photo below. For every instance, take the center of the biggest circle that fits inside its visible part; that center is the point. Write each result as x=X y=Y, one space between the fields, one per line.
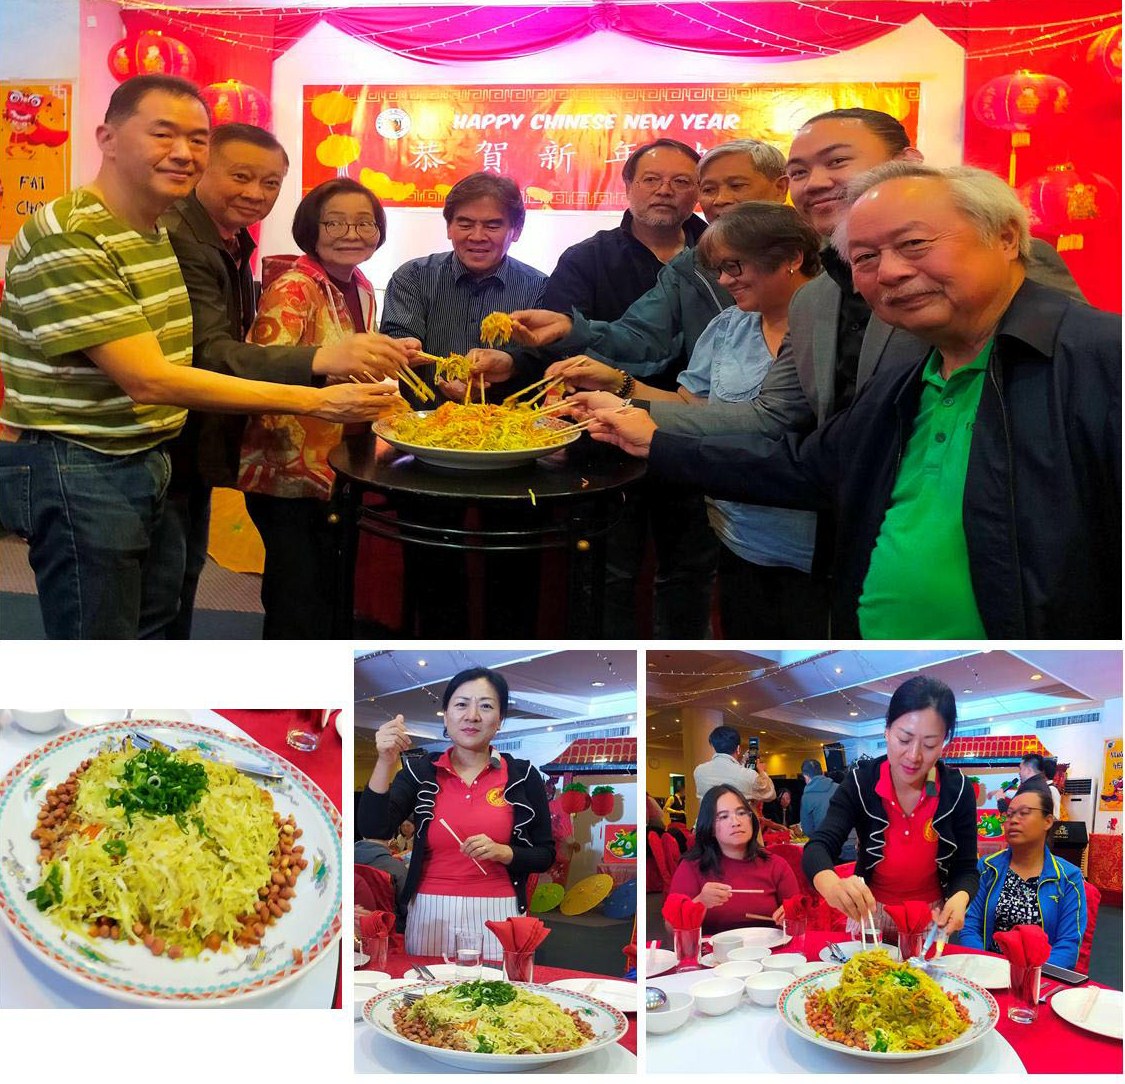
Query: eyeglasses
x=336 y=228
x=651 y=182
x=1023 y=812
x=731 y=268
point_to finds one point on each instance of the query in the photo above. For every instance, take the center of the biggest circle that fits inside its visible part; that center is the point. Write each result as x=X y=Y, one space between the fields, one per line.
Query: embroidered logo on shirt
x=496 y=797
x=928 y=833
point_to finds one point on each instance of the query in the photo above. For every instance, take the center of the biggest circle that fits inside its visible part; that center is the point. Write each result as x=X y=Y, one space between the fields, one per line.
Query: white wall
x=917 y=52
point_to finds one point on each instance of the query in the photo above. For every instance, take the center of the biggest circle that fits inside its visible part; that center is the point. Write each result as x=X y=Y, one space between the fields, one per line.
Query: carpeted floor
x=227 y=605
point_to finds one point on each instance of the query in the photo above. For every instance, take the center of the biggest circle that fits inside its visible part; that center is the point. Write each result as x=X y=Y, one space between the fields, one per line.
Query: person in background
x=493 y=803
x=781 y=812
x=99 y=379
x=322 y=300
x=403 y=843
x=1031 y=766
x=377 y=854
x=815 y=799
x=210 y=234
x=1026 y=884
x=725 y=767
x=675 y=805
x=728 y=856
x=915 y=817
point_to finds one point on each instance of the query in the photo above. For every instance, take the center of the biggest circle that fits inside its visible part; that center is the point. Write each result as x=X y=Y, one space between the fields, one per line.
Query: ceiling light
x=853 y=714
x=597 y=684
x=677 y=720
x=734 y=703
x=653 y=727
x=550 y=728
x=422 y=662
x=440 y=714
x=761 y=732
x=839 y=669
x=1036 y=677
x=631 y=715
x=990 y=718
x=966 y=691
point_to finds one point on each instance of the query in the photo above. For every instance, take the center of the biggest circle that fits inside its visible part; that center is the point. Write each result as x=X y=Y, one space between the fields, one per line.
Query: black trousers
x=759 y=601
x=299 y=581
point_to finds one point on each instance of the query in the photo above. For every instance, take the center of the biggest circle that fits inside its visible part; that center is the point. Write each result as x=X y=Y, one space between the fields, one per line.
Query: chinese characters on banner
x=1109 y=794
x=34 y=150
x=564 y=144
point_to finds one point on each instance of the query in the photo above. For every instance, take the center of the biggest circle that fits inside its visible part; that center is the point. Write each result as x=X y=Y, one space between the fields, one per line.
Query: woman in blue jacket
x=1027 y=884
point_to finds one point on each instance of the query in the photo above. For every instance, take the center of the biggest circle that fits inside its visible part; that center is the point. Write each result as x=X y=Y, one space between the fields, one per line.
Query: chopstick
x=460 y=843
x=524 y=391
x=576 y=428
x=1088 y=1005
x=544 y=391
x=755 y=891
x=768 y=918
x=555 y=408
x=415 y=383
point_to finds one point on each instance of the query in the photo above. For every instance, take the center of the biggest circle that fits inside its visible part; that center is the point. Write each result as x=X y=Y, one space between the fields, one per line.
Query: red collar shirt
x=470 y=809
x=908 y=870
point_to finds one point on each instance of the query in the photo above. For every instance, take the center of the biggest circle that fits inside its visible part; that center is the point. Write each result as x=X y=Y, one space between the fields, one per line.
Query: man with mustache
x=210 y=234
x=977 y=489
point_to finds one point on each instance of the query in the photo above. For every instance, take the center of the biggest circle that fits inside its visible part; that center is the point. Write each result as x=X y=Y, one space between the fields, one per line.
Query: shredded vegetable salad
x=496 y=329
x=492 y=1018
x=165 y=848
x=454 y=367
x=885 y=1006
x=476 y=427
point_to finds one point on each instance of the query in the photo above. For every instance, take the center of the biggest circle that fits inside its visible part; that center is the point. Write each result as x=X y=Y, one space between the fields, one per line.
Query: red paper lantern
x=235 y=102
x=157 y=54
x=1016 y=103
x=1105 y=53
x=120 y=60
x=1068 y=203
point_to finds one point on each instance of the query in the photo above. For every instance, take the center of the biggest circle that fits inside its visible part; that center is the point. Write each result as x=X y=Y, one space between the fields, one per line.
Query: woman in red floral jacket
x=284 y=471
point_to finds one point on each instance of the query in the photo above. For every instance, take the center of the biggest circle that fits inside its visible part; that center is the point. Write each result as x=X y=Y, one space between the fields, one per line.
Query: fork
x=258 y=768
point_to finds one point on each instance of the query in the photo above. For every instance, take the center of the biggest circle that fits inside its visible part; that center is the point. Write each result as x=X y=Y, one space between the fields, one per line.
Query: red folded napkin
x=682 y=912
x=911 y=917
x=377 y=924
x=772 y=839
x=1024 y=946
x=800 y=907
x=521 y=934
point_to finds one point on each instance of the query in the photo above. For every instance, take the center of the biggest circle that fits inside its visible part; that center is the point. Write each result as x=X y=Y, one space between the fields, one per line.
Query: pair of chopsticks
x=578 y=427
x=460 y=843
x=864 y=932
x=407 y=375
x=546 y=385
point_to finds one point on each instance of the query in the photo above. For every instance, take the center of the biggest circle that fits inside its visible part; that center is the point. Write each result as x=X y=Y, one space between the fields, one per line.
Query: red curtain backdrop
x=999 y=37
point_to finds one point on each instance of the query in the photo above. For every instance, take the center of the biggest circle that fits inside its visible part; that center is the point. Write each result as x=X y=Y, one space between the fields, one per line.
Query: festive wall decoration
x=575 y=798
x=601 y=801
x=1104 y=54
x=235 y=102
x=160 y=54
x=1068 y=202
x=34 y=150
x=1109 y=792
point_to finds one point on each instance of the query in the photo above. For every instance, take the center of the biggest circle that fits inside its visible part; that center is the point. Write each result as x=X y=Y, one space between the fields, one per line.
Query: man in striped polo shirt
x=95 y=355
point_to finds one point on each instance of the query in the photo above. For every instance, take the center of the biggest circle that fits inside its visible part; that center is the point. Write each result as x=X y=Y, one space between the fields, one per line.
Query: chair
x=672 y=853
x=790 y=853
x=1093 y=902
x=659 y=875
x=375 y=885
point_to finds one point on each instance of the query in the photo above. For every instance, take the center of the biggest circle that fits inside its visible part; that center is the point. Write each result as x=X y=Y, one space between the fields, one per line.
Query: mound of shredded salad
x=482 y=427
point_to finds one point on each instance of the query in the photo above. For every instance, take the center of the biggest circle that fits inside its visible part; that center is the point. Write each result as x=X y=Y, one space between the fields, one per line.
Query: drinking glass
x=796 y=929
x=468 y=953
x=375 y=946
x=303 y=733
x=1023 y=1008
x=686 y=944
x=519 y=966
x=910 y=944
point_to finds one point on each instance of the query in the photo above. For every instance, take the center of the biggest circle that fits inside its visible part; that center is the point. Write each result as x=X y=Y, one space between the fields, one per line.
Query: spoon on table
x=656 y=1000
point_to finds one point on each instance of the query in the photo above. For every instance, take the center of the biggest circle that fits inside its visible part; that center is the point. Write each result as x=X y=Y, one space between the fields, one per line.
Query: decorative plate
x=608 y=1024
x=465 y=459
x=129 y=971
x=983 y=1013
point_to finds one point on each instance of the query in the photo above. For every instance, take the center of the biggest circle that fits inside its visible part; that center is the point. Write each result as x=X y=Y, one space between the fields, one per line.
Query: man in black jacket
x=977 y=484
x=209 y=231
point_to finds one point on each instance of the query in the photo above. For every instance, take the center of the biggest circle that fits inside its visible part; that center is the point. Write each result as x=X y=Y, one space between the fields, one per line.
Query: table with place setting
x=294 y=964
x=608 y=1004
x=1077 y=1026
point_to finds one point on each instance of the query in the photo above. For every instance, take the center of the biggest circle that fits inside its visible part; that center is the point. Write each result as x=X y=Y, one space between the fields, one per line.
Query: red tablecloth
x=323 y=766
x=1050 y=1045
x=397 y=966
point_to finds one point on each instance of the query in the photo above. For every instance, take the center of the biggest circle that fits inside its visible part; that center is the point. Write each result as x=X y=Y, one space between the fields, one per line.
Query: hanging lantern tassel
x=1019 y=139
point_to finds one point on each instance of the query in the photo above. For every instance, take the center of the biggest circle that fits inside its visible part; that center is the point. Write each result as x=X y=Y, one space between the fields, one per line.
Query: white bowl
x=783 y=961
x=722 y=944
x=38 y=721
x=801 y=970
x=364 y=991
x=94 y=716
x=716 y=996
x=675 y=1014
x=750 y=952
x=739 y=969
x=764 y=988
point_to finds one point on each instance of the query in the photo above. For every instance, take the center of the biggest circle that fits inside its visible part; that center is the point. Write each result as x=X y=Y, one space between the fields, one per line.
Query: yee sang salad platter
x=875 y=1007
x=164 y=872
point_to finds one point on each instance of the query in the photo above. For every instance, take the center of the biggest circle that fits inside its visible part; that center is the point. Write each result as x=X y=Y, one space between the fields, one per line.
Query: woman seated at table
x=915 y=818
x=1027 y=884
x=284 y=470
x=481 y=818
x=728 y=871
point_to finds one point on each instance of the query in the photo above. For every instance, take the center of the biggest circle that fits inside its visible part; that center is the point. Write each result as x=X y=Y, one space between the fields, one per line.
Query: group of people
x=885 y=404
x=913 y=818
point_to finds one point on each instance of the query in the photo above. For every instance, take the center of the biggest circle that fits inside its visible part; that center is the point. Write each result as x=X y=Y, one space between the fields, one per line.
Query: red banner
x=564 y=144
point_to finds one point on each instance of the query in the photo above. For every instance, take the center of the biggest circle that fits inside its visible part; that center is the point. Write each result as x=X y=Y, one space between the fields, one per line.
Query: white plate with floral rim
x=607 y=1023
x=983 y=1015
x=129 y=971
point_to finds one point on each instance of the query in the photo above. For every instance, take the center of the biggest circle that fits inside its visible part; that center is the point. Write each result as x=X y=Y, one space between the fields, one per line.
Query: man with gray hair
x=978 y=489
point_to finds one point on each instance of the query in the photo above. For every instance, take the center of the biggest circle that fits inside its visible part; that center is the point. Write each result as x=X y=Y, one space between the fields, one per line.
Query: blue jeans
x=93 y=522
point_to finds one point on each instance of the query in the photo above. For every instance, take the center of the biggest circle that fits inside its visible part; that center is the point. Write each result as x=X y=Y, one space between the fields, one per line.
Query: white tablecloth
x=706 y=1044
x=26 y=982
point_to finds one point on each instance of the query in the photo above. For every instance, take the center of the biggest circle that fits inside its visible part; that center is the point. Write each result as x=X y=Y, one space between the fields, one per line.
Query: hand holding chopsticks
x=445 y=824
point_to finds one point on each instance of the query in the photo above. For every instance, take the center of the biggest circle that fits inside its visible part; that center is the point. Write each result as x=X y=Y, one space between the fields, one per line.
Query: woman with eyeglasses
x=320 y=299
x=764 y=253
x=727 y=870
x=1027 y=885
x=915 y=818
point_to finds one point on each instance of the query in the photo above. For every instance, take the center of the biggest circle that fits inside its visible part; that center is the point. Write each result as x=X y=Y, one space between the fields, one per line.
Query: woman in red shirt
x=727 y=856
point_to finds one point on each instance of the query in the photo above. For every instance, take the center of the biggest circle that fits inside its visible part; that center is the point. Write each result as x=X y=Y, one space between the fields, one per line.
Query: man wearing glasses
x=210 y=235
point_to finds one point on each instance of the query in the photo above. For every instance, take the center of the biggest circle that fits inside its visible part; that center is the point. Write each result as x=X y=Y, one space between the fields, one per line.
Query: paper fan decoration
x=586 y=894
x=546 y=897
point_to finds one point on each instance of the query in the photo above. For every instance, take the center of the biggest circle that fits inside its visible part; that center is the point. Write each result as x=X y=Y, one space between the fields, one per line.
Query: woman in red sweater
x=727 y=856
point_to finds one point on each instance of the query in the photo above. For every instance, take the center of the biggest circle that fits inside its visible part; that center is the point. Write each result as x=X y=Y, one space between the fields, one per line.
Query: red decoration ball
x=235 y=102
x=1017 y=102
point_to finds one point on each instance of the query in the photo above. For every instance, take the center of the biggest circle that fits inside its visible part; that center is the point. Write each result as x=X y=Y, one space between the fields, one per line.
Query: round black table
x=567 y=501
